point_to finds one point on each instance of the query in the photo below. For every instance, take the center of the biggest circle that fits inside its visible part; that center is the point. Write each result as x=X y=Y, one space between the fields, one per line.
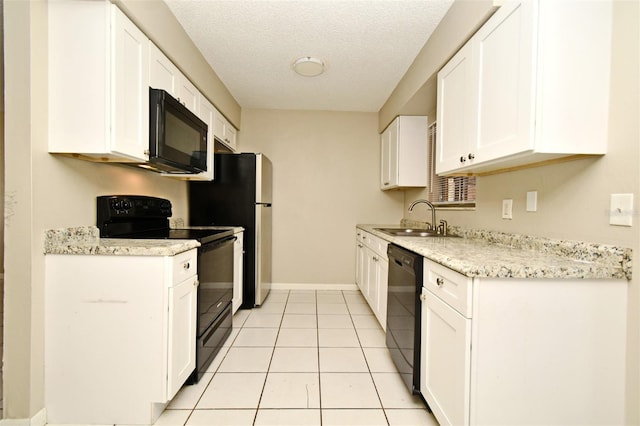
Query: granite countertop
x=86 y=240
x=499 y=255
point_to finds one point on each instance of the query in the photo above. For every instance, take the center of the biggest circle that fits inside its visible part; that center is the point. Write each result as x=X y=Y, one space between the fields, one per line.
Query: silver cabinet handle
x=423 y=297
x=186 y=266
x=439 y=282
x=471 y=156
x=463 y=159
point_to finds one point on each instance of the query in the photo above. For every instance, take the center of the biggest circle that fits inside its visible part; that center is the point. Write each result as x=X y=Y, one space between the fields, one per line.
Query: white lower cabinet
x=445 y=360
x=372 y=267
x=119 y=335
x=238 y=261
x=522 y=351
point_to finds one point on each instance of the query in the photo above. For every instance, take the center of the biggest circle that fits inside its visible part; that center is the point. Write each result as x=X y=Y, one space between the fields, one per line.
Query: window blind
x=448 y=191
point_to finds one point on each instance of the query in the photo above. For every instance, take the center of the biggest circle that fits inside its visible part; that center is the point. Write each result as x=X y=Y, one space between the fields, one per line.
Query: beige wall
x=326 y=180
x=45 y=191
x=573 y=197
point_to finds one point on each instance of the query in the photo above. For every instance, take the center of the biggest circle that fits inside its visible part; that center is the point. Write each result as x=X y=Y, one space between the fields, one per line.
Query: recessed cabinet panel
x=503 y=56
x=163 y=74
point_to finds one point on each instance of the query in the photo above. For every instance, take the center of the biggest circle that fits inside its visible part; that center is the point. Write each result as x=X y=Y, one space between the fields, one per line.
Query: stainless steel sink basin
x=409 y=232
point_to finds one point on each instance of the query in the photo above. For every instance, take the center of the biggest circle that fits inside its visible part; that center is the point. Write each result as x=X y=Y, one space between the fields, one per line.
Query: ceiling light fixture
x=308 y=66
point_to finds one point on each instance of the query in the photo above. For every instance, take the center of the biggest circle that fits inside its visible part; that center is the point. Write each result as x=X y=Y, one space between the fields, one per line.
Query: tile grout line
x=273 y=350
x=318 y=354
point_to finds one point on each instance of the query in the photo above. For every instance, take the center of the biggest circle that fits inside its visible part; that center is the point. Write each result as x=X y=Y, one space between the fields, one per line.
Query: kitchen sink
x=409 y=232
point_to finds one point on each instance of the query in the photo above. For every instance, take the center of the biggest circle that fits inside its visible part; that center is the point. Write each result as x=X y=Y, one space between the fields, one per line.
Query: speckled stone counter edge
x=85 y=240
x=576 y=250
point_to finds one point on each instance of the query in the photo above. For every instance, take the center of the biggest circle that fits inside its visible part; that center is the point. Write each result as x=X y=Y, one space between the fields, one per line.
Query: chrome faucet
x=432 y=225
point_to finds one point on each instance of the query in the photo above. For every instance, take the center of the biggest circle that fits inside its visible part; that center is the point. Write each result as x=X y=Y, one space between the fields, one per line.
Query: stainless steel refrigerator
x=240 y=195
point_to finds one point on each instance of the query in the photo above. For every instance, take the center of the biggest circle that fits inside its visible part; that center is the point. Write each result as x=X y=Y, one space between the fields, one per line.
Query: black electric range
x=143 y=217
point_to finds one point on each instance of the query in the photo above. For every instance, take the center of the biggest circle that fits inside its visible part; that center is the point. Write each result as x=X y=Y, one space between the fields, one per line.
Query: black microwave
x=177 y=137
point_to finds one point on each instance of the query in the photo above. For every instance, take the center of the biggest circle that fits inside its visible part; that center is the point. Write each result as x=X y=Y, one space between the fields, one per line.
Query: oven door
x=215 y=273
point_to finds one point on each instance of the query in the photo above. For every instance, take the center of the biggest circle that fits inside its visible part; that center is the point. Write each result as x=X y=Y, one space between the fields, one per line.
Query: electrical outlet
x=507 y=209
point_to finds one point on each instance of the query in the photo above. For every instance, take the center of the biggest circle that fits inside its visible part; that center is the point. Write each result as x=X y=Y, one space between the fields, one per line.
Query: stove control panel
x=117 y=208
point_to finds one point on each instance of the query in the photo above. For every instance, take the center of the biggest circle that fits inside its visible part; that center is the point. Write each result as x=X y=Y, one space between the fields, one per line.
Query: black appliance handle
x=217 y=244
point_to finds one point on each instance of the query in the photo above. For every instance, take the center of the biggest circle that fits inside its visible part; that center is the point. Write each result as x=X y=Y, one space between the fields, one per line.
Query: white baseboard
x=312 y=286
x=40 y=419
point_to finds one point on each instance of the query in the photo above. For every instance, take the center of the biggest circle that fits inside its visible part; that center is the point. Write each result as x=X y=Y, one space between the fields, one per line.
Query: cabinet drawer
x=450 y=286
x=184 y=266
x=378 y=245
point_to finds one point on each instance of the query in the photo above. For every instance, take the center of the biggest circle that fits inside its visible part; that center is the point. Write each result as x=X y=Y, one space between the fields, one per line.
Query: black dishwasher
x=404 y=313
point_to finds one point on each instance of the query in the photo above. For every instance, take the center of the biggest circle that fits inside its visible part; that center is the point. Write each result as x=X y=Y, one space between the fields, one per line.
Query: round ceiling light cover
x=308 y=66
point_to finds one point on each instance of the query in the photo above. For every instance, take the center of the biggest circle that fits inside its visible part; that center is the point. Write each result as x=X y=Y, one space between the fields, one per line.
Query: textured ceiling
x=367 y=46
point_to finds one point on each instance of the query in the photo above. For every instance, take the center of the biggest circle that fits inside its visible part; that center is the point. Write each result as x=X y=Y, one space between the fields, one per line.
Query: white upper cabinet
x=531 y=85
x=163 y=74
x=454 y=127
x=98 y=83
x=404 y=156
x=225 y=132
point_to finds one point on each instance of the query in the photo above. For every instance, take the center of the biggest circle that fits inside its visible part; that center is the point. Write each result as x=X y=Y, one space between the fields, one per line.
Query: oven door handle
x=213 y=328
x=217 y=244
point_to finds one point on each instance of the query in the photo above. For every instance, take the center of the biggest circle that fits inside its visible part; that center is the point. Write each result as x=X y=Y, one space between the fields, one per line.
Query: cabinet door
x=238 y=259
x=129 y=89
x=453 y=139
x=382 y=288
x=163 y=74
x=224 y=131
x=188 y=95
x=218 y=126
x=230 y=135
x=503 y=58
x=389 y=156
x=182 y=334
x=360 y=265
x=445 y=363
x=207 y=113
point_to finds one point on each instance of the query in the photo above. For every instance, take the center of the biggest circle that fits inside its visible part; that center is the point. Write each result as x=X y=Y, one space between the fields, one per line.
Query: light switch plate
x=507 y=209
x=532 y=201
x=621 y=210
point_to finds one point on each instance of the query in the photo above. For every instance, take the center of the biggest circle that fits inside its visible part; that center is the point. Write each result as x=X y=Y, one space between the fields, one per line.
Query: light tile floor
x=302 y=358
